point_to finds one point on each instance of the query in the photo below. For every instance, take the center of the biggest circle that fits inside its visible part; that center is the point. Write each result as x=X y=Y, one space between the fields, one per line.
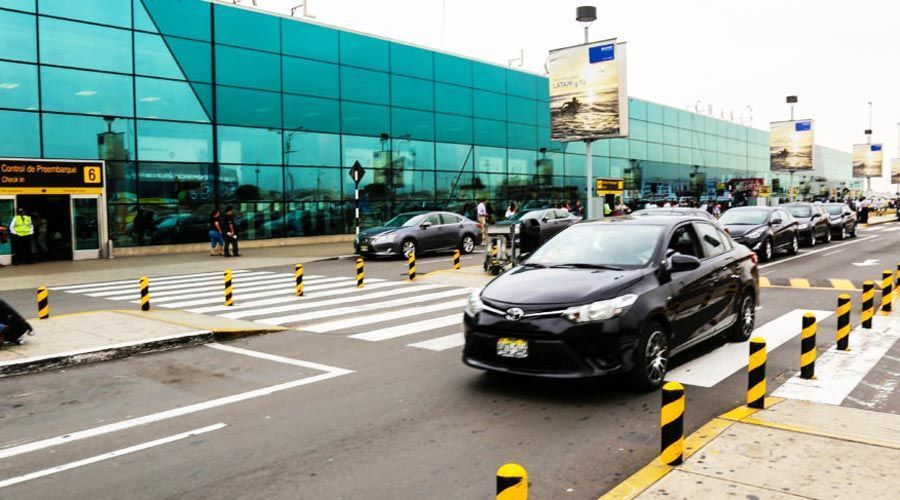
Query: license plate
x=364 y=248
x=512 y=348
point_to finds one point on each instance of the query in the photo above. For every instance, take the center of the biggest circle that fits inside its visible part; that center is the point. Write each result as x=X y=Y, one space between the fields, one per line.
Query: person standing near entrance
x=22 y=229
x=229 y=225
x=482 y=213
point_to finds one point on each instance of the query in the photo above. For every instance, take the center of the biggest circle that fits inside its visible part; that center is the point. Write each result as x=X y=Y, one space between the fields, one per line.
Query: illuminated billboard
x=588 y=96
x=791 y=145
x=867 y=160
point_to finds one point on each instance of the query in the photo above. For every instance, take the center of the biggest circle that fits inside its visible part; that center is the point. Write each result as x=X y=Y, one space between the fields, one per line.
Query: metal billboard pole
x=586 y=15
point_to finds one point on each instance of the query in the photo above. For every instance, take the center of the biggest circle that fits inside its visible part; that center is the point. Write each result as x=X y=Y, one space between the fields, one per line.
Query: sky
x=735 y=55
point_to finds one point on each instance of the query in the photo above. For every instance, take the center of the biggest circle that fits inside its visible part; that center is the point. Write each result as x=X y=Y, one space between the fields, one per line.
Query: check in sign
x=18 y=176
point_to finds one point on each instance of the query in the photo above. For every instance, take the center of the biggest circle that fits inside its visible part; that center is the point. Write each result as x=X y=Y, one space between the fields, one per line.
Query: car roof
x=754 y=208
x=669 y=210
x=648 y=220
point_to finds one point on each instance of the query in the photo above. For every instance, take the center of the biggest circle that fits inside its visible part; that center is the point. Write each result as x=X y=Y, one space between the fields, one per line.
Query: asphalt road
x=369 y=419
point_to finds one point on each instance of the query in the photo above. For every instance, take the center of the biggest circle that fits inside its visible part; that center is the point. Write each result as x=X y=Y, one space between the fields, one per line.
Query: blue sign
x=876 y=147
x=802 y=126
x=601 y=53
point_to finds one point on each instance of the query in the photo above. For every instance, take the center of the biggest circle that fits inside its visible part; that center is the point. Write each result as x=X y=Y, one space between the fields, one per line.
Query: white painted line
x=174 y=285
x=342 y=324
x=301 y=305
x=107 y=456
x=393 y=332
x=216 y=289
x=813 y=252
x=891 y=229
x=713 y=367
x=279 y=359
x=340 y=311
x=839 y=372
x=442 y=343
x=834 y=252
x=240 y=295
x=131 y=281
x=294 y=298
x=168 y=414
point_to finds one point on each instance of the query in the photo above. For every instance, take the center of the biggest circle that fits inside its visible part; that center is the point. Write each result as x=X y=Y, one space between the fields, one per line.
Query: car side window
x=562 y=214
x=684 y=241
x=726 y=239
x=711 y=240
x=433 y=219
x=450 y=219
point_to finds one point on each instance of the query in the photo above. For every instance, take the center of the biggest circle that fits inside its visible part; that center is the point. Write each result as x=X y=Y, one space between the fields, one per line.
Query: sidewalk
x=880 y=219
x=73 y=339
x=85 y=271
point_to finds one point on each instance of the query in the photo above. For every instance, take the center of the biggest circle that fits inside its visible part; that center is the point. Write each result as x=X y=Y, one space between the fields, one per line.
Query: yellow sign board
x=38 y=176
x=765 y=191
x=610 y=186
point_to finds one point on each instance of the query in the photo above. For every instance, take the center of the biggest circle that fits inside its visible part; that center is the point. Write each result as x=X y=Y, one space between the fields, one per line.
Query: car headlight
x=756 y=233
x=803 y=226
x=385 y=238
x=474 y=305
x=599 y=311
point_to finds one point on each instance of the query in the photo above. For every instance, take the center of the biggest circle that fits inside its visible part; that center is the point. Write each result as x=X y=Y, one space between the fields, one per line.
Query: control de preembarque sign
x=24 y=176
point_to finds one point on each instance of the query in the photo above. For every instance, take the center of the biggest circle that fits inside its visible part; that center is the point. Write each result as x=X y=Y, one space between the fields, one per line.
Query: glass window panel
x=311 y=183
x=411 y=61
x=655 y=133
x=490 y=133
x=670 y=154
x=142 y=19
x=170 y=100
x=245 y=28
x=684 y=155
x=575 y=164
x=490 y=105
x=248 y=107
x=242 y=183
x=685 y=137
x=249 y=145
x=18 y=86
x=670 y=116
x=364 y=119
x=452 y=128
x=299 y=38
x=654 y=152
x=86 y=92
x=488 y=77
x=452 y=69
x=451 y=187
x=453 y=99
x=116 y=13
x=637 y=109
x=417 y=155
x=302 y=76
x=413 y=184
x=309 y=148
x=185 y=19
x=85 y=46
x=637 y=129
x=522 y=162
x=311 y=113
x=21 y=134
x=26 y=5
x=618 y=148
x=121 y=181
x=543 y=138
x=310 y=218
x=520 y=83
x=491 y=186
x=521 y=110
x=232 y=68
x=654 y=113
x=364 y=85
x=637 y=150
x=455 y=157
x=543 y=115
x=153 y=58
x=195 y=58
x=670 y=135
x=176 y=183
x=18 y=39
x=406 y=123
x=166 y=141
x=521 y=136
x=84 y=137
x=412 y=93
x=490 y=159
x=363 y=51
x=685 y=119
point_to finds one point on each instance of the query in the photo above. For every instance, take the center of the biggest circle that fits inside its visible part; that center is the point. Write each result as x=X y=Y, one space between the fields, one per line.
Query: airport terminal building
x=188 y=105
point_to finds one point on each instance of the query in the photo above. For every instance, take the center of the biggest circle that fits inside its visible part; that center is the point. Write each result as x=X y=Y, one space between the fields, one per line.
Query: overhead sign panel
x=24 y=176
x=588 y=95
x=867 y=160
x=791 y=145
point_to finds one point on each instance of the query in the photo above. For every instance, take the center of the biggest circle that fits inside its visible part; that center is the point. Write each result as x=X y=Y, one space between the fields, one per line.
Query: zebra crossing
x=882 y=228
x=383 y=310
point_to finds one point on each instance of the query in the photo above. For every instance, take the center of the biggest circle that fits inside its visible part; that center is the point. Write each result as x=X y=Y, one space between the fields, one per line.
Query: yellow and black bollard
x=887 y=284
x=360 y=272
x=298 y=278
x=229 y=298
x=512 y=482
x=808 y=346
x=897 y=279
x=43 y=301
x=412 y=267
x=145 y=293
x=672 y=424
x=456 y=260
x=868 y=304
x=842 y=336
x=756 y=374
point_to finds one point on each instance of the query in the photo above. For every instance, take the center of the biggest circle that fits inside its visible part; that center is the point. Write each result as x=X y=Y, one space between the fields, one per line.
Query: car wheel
x=843 y=235
x=408 y=247
x=746 y=320
x=812 y=239
x=853 y=232
x=651 y=360
x=828 y=236
x=795 y=246
x=468 y=244
x=765 y=253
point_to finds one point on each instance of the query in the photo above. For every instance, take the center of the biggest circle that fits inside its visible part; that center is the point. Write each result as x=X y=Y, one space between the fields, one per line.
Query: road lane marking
x=215 y=288
x=834 y=252
x=294 y=298
x=441 y=343
x=277 y=359
x=284 y=291
x=393 y=332
x=813 y=252
x=764 y=282
x=713 y=367
x=107 y=456
x=332 y=326
x=174 y=285
x=286 y=285
x=132 y=281
x=799 y=283
x=842 y=284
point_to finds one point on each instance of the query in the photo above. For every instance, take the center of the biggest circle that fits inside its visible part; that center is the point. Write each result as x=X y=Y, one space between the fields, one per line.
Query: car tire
x=811 y=242
x=408 y=246
x=828 y=236
x=746 y=319
x=853 y=233
x=767 y=250
x=650 y=358
x=844 y=235
x=795 y=246
x=467 y=244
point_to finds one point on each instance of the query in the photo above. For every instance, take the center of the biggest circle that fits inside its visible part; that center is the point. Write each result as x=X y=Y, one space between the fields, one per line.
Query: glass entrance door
x=88 y=227
x=7 y=211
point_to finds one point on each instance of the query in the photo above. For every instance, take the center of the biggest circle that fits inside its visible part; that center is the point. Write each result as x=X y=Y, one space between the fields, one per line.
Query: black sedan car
x=841 y=219
x=765 y=230
x=615 y=295
x=677 y=212
x=419 y=233
x=812 y=222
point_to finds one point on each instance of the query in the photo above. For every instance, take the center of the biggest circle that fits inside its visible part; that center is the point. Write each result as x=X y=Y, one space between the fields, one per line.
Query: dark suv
x=812 y=222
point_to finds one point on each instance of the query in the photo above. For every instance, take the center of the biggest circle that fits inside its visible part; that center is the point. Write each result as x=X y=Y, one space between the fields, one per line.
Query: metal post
x=356 y=203
x=589 y=177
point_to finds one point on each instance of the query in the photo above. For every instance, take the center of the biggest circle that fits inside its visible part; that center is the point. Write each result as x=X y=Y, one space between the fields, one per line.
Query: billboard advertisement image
x=867 y=160
x=895 y=171
x=588 y=98
x=791 y=145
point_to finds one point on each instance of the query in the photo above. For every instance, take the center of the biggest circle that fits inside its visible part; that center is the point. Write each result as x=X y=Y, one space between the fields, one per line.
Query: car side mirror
x=545 y=218
x=425 y=225
x=815 y=216
x=680 y=263
x=775 y=222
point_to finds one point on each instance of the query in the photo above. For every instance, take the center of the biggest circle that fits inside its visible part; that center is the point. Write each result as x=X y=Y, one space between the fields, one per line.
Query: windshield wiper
x=582 y=265
x=532 y=264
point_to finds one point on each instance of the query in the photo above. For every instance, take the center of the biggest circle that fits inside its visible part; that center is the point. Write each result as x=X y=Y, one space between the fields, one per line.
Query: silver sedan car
x=419 y=233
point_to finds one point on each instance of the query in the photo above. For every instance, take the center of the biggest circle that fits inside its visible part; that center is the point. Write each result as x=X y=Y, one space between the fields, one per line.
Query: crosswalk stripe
x=308 y=295
x=371 y=319
x=157 y=285
x=280 y=290
x=132 y=281
x=298 y=318
x=300 y=305
x=891 y=229
x=393 y=332
x=441 y=343
x=164 y=290
x=214 y=289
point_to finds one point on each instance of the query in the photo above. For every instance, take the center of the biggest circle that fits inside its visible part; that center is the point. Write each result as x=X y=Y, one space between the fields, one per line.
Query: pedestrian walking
x=216 y=242
x=229 y=225
x=482 y=213
x=511 y=210
x=22 y=230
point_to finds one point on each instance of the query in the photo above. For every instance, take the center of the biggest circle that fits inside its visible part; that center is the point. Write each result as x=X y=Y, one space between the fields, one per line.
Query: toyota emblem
x=514 y=314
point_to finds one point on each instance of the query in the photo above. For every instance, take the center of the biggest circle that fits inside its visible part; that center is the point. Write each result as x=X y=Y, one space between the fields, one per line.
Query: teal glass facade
x=196 y=105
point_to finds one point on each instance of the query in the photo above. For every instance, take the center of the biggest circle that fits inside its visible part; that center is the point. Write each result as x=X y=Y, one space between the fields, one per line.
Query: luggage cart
x=502 y=248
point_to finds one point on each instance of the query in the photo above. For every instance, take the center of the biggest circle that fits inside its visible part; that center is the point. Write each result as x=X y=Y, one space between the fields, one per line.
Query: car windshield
x=799 y=211
x=834 y=209
x=402 y=220
x=745 y=217
x=599 y=245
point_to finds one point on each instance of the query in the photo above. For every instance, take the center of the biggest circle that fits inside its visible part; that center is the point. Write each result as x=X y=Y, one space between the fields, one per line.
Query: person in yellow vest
x=22 y=229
